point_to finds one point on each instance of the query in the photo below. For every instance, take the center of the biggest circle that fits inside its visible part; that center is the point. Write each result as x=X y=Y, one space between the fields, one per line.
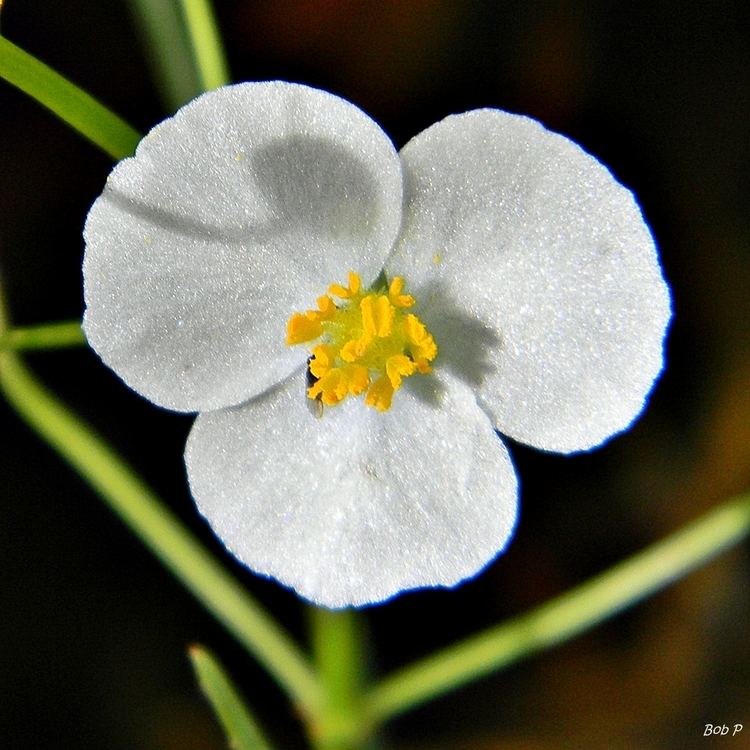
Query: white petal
x=233 y=214
x=541 y=277
x=355 y=506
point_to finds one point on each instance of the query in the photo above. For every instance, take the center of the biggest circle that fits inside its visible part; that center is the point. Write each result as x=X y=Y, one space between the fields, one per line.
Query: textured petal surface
x=233 y=214
x=540 y=277
x=355 y=506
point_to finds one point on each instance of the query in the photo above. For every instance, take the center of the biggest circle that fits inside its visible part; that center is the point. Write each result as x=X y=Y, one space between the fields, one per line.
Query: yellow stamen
x=337 y=383
x=380 y=395
x=331 y=388
x=357 y=378
x=322 y=360
x=377 y=315
x=368 y=343
x=347 y=292
x=353 y=350
x=354 y=282
x=398 y=366
x=326 y=307
x=420 y=341
x=394 y=294
x=301 y=328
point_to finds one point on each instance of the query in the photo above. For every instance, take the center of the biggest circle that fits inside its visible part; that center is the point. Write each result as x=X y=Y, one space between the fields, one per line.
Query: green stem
x=168 y=50
x=337 y=644
x=567 y=615
x=74 y=106
x=45 y=336
x=242 y=730
x=159 y=529
x=208 y=51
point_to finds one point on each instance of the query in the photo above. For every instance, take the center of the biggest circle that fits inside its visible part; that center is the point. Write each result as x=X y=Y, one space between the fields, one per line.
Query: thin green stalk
x=567 y=615
x=45 y=336
x=208 y=51
x=168 y=50
x=337 y=641
x=71 y=104
x=160 y=530
x=242 y=730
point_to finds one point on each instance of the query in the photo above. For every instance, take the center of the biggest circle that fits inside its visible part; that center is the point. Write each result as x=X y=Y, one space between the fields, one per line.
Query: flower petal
x=355 y=506
x=541 y=277
x=233 y=214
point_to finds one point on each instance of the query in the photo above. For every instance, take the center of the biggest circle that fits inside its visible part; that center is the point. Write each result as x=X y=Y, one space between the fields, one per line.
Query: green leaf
x=241 y=729
x=71 y=104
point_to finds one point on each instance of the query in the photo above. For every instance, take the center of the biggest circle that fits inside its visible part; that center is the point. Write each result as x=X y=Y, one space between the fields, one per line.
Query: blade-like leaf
x=241 y=729
x=71 y=104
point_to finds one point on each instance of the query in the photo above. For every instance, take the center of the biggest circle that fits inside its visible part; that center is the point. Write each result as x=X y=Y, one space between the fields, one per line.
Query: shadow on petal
x=183 y=226
x=314 y=182
x=429 y=390
x=463 y=340
x=310 y=185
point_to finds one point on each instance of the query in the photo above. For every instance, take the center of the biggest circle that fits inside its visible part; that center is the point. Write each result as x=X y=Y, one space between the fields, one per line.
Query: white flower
x=531 y=266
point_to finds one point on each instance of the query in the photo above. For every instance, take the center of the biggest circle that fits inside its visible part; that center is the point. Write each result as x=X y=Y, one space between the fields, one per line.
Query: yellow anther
x=398 y=366
x=347 y=292
x=423 y=366
x=338 y=383
x=302 y=327
x=394 y=294
x=331 y=388
x=377 y=315
x=326 y=307
x=368 y=343
x=323 y=359
x=339 y=291
x=380 y=394
x=355 y=349
x=420 y=342
x=354 y=282
x=357 y=379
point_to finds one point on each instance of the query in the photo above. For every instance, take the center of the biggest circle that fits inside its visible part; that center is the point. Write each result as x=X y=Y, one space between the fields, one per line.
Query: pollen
x=364 y=341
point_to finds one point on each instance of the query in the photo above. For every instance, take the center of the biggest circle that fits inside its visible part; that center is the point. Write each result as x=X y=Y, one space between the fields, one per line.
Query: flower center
x=368 y=343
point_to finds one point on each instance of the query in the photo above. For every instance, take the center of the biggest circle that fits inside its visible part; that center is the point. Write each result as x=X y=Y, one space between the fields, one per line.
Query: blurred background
x=93 y=631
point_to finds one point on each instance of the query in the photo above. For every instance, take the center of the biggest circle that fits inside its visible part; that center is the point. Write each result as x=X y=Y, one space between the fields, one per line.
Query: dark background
x=93 y=631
